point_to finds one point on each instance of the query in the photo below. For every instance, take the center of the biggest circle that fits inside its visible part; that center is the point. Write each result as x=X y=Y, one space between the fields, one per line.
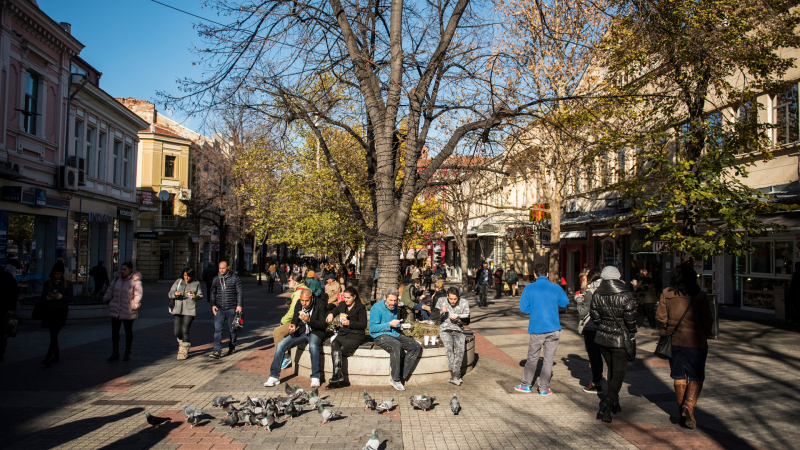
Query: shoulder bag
x=171 y=299
x=664 y=346
x=629 y=340
x=583 y=323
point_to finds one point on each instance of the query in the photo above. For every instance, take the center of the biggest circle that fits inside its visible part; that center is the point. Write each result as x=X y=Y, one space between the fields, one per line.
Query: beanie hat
x=58 y=267
x=311 y=274
x=610 y=273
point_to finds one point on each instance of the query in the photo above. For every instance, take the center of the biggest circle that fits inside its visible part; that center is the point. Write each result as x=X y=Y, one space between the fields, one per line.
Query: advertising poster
x=61 y=237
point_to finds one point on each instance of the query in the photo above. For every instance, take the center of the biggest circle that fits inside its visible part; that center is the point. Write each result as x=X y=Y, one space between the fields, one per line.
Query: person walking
x=124 y=297
x=307 y=326
x=541 y=300
x=347 y=337
x=686 y=307
x=185 y=292
x=384 y=327
x=427 y=276
x=512 y=279
x=282 y=277
x=612 y=308
x=9 y=295
x=209 y=273
x=56 y=295
x=482 y=283
x=271 y=277
x=100 y=276
x=453 y=314
x=584 y=302
x=498 y=282
x=646 y=299
x=226 y=300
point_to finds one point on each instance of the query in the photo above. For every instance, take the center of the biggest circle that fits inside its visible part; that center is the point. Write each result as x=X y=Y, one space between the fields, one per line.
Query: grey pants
x=396 y=345
x=550 y=343
x=454 y=349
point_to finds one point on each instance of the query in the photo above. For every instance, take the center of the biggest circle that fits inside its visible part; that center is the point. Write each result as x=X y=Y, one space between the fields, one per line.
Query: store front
x=763 y=276
x=609 y=249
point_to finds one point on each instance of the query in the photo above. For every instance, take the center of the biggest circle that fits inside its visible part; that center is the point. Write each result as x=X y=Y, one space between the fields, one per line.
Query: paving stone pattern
x=749 y=400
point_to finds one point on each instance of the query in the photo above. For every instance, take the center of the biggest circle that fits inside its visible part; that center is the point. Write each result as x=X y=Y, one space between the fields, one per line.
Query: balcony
x=165 y=221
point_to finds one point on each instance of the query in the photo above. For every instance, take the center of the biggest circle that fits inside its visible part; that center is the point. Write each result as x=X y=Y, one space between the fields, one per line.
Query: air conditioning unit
x=68 y=178
x=185 y=194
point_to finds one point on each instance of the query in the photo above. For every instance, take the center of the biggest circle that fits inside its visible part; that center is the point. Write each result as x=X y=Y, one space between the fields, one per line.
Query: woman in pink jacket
x=125 y=298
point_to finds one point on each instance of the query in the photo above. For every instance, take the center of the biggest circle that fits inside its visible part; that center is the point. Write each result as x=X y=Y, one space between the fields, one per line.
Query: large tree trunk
x=388 y=263
x=555 y=242
x=368 y=264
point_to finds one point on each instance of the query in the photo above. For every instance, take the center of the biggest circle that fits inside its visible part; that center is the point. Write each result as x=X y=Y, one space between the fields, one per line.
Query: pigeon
x=298 y=389
x=155 y=421
x=259 y=401
x=267 y=422
x=289 y=389
x=191 y=411
x=424 y=404
x=368 y=401
x=229 y=408
x=250 y=419
x=248 y=402
x=231 y=421
x=221 y=400
x=455 y=405
x=289 y=411
x=416 y=398
x=385 y=406
x=327 y=414
x=314 y=402
x=193 y=420
x=373 y=443
x=271 y=410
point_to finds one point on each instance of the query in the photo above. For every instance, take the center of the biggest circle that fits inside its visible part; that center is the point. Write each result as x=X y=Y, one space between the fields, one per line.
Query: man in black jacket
x=100 y=276
x=482 y=281
x=9 y=294
x=209 y=273
x=226 y=300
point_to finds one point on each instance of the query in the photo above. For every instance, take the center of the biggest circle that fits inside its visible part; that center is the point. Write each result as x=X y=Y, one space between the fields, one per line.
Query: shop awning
x=788 y=219
x=572 y=234
x=610 y=231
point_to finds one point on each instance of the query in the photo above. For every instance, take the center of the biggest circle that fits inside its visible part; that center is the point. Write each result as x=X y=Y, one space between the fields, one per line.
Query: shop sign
x=544 y=238
x=145 y=235
x=97 y=217
x=539 y=213
x=195 y=239
x=40 y=196
x=660 y=246
x=248 y=249
x=12 y=194
x=147 y=198
x=124 y=213
x=214 y=247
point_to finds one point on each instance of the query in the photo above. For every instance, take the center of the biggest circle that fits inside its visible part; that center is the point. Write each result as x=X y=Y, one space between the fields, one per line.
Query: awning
x=609 y=232
x=572 y=234
x=787 y=219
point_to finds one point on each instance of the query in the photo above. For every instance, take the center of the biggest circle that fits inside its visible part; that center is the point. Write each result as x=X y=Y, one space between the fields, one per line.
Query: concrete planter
x=77 y=312
x=370 y=367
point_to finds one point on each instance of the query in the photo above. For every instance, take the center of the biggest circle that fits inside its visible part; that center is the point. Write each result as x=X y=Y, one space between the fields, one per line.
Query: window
x=101 y=157
x=716 y=130
x=590 y=176
x=605 y=167
x=747 y=114
x=168 y=207
x=783 y=258
x=577 y=181
x=169 y=166
x=31 y=107
x=621 y=164
x=786 y=125
x=77 y=70
x=126 y=156
x=761 y=258
x=90 y=151
x=78 y=137
x=115 y=161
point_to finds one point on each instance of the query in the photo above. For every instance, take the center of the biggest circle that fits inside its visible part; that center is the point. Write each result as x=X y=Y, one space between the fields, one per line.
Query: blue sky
x=141 y=47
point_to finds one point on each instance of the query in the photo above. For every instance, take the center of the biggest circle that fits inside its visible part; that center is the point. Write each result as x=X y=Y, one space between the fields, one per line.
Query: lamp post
x=261 y=258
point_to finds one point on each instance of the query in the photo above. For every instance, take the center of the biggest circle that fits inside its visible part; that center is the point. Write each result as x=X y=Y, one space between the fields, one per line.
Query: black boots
x=55 y=357
x=127 y=356
x=114 y=355
x=47 y=359
x=612 y=407
x=336 y=359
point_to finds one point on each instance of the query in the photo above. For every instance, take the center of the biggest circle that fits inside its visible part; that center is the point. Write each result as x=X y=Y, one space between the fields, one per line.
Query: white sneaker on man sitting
x=272 y=381
x=397 y=385
x=315 y=382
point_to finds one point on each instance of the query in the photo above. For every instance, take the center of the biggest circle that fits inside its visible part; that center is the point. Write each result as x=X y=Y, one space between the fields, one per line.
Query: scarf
x=308 y=311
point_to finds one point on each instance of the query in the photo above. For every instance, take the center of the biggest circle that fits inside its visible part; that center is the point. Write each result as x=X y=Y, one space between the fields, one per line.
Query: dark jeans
x=499 y=289
x=427 y=285
x=395 y=345
x=314 y=344
x=649 y=310
x=222 y=320
x=688 y=363
x=98 y=284
x=181 y=325
x=271 y=285
x=418 y=307
x=347 y=345
x=482 y=288
x=115 y=323
x=617 y=362
x=53 y=349
x=595 y=358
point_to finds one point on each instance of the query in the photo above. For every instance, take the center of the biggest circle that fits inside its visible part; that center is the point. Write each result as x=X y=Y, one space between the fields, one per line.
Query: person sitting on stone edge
x=384 y=327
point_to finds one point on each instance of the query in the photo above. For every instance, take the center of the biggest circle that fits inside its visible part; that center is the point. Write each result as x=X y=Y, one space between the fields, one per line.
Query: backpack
x=511 y=276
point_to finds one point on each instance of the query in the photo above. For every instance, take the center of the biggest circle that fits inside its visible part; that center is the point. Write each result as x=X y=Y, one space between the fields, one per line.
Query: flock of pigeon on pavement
x=263 y=412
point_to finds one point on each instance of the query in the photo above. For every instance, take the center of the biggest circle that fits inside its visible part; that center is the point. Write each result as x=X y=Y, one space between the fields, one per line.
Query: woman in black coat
x=350 y=335
x=613 y=306
x=56 y=294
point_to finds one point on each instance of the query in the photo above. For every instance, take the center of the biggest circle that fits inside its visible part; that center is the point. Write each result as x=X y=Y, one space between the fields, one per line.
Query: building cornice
x=35 y=21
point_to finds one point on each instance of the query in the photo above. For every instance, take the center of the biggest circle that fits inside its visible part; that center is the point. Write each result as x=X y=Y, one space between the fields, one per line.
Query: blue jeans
x=314 y=344
x=418 y=307
x=222 y=320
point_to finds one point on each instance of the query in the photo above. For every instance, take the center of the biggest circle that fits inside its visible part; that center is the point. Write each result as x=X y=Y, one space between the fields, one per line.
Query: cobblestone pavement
x=749 y=399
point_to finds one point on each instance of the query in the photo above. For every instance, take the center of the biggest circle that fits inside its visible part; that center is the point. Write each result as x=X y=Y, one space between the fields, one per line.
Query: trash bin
x=714 y=304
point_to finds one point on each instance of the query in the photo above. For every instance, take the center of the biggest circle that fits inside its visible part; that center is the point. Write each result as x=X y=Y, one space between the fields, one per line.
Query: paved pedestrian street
x=750 y=399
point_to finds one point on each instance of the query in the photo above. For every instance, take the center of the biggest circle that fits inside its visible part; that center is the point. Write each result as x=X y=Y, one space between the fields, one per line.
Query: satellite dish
x=163 y=196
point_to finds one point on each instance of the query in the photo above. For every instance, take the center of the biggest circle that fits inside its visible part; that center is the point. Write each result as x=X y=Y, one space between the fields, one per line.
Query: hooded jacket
x=124 y=296
x=226 y=291
x=612 y=307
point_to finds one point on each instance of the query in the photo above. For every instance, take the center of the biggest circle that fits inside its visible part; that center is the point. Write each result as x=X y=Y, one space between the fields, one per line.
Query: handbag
x=583 y=323
x=629 y=341
x=664 y=347
x=171 y=299
x=237 y=324
x=10 y=329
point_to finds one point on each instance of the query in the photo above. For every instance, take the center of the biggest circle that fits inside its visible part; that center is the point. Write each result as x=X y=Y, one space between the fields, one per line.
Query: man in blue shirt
x=385 y=318
x=541 y=301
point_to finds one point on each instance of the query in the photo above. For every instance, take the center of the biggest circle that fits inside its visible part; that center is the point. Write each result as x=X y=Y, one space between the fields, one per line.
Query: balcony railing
x=165 y=221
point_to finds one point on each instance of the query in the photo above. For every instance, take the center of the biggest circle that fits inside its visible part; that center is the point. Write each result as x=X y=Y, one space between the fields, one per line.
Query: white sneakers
x=397 y=385
x=272 y=382
x=314 y=382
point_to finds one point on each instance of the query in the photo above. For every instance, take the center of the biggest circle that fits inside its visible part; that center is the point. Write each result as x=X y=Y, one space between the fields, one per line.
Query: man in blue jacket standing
x=541 y=301
x=385 y=318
